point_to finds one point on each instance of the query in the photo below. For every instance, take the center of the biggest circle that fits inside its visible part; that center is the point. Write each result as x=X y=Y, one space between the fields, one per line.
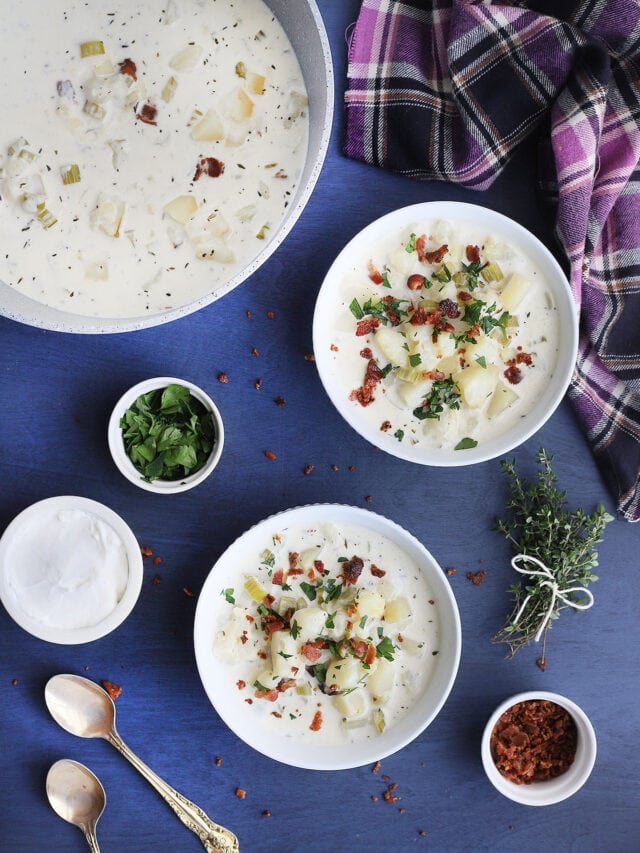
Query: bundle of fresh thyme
x=540 y=526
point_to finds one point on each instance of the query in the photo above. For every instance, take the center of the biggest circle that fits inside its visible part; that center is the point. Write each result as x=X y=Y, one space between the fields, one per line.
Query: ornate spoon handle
x=92 y=841
x=214 y=838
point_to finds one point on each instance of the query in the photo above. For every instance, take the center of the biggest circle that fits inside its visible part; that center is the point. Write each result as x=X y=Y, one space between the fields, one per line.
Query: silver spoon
x=77 y=796
x=84 y=709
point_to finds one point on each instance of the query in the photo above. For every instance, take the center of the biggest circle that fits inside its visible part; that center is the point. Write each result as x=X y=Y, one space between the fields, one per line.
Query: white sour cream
x=389 y=606
x=67 y=569
x=471 y=381
x=139 y=233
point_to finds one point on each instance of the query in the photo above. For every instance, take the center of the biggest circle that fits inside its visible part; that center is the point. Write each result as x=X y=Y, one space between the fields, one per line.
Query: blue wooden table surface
x=56 y=394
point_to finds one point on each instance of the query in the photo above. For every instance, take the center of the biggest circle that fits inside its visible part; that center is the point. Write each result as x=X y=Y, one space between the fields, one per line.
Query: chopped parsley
x=444 y=392
x=466 y=444
x=228 y=594
x=385 y=649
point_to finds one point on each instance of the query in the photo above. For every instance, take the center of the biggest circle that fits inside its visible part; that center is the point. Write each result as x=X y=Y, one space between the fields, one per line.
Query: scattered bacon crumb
x=128 y=67
x=157 y=561
x=248 y=313
x=351 y=570
x=373 y=375
x=422 y=833
x=368 y=498
x=376 y=768
x=316 y=723
x=270 y=315
x=377 y=572
x=385 y=426
x=473 y=254
x=266 y=813
x=241 y=793
x=279 y=401
x=257 y=384
x=254 y=351
x=541 y=663
x=278 y=577
x=147 y=114
x=334 y=348
x=188 y=592
x=374 y=273
x=307 y=469
x=210 y=166
x=366 y=352
x=223 y=378
x=309 y=356
x=389 y=796
x=249 y=701
x=431 y=257
x=334 y=468
x=270 y=454
x=352 y=468
x=374 y=798
x=156 y=580
x=14 y=681
x=218 y=761
x=145 y=551
x=476 y=578
x=114 y=690
x=366 y=326
x=451 y=571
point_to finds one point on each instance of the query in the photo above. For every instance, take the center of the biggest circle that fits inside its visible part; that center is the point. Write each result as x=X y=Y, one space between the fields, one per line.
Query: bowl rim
x=24 y=309
x=74 y=636
x=553 y=790
x=126 y=466
x=330 y=757
x=568 y=341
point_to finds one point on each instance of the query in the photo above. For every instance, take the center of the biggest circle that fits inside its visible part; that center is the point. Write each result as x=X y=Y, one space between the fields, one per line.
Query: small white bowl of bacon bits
x=445 y=333
x=538 y=748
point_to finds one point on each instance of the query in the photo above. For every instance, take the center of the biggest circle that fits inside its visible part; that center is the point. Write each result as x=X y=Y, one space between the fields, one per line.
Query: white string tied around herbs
x=556 y=592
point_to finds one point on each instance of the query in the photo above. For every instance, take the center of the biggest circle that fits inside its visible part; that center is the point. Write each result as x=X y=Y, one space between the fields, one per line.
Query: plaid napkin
x=446 y=89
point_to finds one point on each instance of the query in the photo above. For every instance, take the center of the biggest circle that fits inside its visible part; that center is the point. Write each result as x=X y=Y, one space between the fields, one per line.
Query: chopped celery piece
x=241 y=69
x=262 y=233
x=492 y=272
x=377 y=718
x=94 y=110
x=354 y=722
x=196 y=115
x=91 y=48
x=303 y=689
x=45 y=216
x=70 y=174
x=255 y=590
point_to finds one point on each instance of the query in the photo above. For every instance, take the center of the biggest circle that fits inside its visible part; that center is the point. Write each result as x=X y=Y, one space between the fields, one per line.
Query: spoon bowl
x=84 y=709
x=77 y=796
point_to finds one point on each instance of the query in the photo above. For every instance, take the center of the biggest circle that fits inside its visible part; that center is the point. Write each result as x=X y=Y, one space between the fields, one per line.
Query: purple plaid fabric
x=446 y=89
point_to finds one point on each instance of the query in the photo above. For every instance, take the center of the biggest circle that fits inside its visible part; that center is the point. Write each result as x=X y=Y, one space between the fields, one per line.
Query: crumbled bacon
x=147 y=113
x=464 y=296
x=114 y=690
x=278 y=577
x=419 y=317
x=240 y=684
x=129 y=68
x=476 y=578
x=366 y=326
x=311 y=652
x=373 y=375
x=285 y=684
x=376 y=572
x=351 y=570
x=473 y=254
x=513 y=374
x=366 y=352
x=319 y=566
x=374 y=274
x=270 y=695
x=210 y=166
x=434 y=256
x=316 y=723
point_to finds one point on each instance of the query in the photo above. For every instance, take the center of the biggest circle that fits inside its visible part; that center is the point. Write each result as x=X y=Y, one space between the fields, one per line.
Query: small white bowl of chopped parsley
x=165 y=435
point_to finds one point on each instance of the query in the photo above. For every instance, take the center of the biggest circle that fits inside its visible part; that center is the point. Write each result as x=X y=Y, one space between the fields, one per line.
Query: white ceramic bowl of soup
x=329 y=718
x=495 y=377
x=69 y=310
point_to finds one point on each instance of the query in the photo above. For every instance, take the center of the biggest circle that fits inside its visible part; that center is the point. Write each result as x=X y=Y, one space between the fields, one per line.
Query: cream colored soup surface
x=444 y=337
x=330 y=636
x=145 y=174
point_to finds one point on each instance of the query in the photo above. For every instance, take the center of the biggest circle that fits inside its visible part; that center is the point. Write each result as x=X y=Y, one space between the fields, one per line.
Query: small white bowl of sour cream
x=206 y=410
x=70 y=570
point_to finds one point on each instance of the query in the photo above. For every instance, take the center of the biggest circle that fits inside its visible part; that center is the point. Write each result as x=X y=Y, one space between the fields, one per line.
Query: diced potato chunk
x=310 y=621
x=352 y=705
x=283 y=653
x=397 y=610
x=182 y=208
x=514 y=292
x=503 y=397
x=187 y=58
x=255 y=83
x=369 y=603
x=477 y=384
x=344 y=674
x=209 y=128
x=392 y=344
x=381 y=681
x=107 y=215
x=411 y=646
x=237 y=105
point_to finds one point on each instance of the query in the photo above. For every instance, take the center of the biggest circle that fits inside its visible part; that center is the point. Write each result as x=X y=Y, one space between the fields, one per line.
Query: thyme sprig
x=541 y=526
